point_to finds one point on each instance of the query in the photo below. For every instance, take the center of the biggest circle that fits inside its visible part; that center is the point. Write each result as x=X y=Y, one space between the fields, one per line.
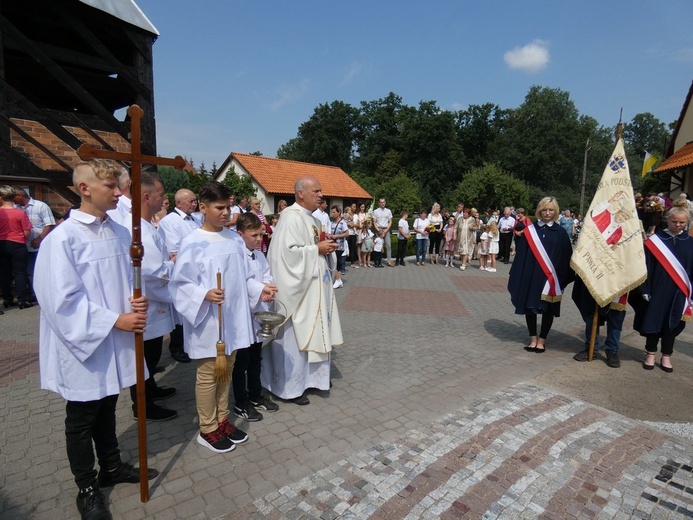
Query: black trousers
x=546 y=322
x=86 y=423
x=353 y=251
x=13 y=261
x=245 y=378
x=506 y=239
x=176 y=344
x=667 y=337
x=152 y=355
x=401 y=250
x=434 y=238
x=377 y=258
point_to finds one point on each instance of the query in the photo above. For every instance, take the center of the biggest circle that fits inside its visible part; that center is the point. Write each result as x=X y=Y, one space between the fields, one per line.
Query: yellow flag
x=609 y=256
x=648 y=163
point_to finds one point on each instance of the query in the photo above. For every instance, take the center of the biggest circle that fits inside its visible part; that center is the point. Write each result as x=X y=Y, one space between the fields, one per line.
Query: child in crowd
x=449 y=242
x=247 y=389
x=493 y=242
x=378 y=251
x=483 y=248
x=403 y=236
x=211 y=249
x=366 y=243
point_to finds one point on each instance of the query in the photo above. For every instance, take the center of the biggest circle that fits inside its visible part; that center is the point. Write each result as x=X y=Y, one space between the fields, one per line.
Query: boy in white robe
x=212 y=249
x=247 y=387
x=86 y=344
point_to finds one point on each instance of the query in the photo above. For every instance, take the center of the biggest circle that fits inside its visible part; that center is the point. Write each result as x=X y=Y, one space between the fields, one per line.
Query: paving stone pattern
x=432 y=414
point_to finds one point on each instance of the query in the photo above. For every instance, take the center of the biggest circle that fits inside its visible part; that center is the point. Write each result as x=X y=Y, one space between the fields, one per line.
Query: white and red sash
x=674 y=269
x=552 y=290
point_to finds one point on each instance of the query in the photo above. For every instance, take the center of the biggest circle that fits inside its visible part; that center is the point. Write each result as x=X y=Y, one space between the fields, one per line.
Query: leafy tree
x=401 y=193
x=326 y=138
x=256 y=153
x=542 y=142
x=214 y=170
x=174 y=180
x=377 y=131
x=241 y=186
x=431 y=149
x=646 y=133
x=479 y=129
x=490 y=187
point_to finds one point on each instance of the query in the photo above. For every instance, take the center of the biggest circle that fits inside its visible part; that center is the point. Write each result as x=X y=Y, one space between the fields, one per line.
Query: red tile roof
x=277 y=176
x=682 y=158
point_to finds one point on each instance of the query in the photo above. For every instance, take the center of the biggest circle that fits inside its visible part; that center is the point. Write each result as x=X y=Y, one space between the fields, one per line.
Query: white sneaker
x=338 y=284
x=482 y=268
x=491 y=269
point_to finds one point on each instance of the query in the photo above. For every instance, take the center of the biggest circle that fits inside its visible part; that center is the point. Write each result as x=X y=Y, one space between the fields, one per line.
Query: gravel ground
x=681 y=429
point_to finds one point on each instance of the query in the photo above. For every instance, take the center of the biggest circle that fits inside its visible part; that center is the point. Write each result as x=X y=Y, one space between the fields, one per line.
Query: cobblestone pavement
x=434 y=413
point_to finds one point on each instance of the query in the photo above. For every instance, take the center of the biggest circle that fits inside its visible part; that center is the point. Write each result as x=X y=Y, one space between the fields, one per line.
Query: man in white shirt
x=173 y=228
x=382 y=218
x=321 y=214
x=506 y=224
x=42 y=222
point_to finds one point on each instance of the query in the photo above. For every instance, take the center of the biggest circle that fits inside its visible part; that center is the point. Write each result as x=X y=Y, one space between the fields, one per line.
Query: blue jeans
x=614 y=324
x=421 y=245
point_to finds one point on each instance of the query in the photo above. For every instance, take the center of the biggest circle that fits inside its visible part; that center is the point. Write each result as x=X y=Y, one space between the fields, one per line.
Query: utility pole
x=584 y=178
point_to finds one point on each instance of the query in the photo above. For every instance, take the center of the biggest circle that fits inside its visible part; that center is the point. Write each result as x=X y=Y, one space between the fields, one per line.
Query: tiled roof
x=682 y=158
x=277 y=176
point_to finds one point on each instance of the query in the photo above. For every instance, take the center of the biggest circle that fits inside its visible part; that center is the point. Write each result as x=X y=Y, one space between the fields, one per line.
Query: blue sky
x=235 y=76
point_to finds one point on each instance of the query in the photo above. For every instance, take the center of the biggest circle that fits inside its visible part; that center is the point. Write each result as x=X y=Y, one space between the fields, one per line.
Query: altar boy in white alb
x=211 y=249
x=86 y=345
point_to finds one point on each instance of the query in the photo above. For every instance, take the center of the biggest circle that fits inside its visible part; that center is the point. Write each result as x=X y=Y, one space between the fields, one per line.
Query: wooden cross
x=135 y=158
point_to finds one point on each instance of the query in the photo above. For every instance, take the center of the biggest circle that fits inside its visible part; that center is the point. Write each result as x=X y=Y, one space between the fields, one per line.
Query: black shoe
x=25 y=305
x=159 y=393
x=585 y=355
x=247 y=412
x=156 y=413
x=612 y=359
x=159 y=369
x=9 y=303
x=181 y=357
x=302 y=400
x=91 y=504
x=124 y=474
x=265 y=403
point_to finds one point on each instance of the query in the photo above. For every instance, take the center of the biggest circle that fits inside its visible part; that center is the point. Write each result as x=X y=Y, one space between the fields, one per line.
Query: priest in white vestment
x=299 y=357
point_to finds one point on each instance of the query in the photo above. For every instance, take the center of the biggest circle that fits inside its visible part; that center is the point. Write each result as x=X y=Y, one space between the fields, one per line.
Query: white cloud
x=288 y=93
x=531 y=58
x=354 y=70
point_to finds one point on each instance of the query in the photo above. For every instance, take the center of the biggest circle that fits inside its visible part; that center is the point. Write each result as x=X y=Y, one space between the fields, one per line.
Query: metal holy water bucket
x=269 y=321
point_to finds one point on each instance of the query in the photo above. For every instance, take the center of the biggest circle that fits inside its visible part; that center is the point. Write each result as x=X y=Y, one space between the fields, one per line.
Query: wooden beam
x=92 y=40
x=41 y=116
x=33 y=141
x=81 y=94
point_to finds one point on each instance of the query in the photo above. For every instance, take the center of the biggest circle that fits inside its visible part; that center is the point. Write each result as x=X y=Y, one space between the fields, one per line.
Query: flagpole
x=595 y=318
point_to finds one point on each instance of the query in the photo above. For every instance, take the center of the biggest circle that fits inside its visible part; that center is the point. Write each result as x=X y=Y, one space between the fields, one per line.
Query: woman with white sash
x=663 y=303
x=540 y=272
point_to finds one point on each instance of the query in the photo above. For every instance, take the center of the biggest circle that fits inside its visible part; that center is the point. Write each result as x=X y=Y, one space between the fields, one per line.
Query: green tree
x=241 y=186
x=377 y=131
x=431 y=149
x=479 y=129
x=326 y=138
x=401 y=193
x=489 y=186
x=174 y=180
x=646 y=133
x=543 y=141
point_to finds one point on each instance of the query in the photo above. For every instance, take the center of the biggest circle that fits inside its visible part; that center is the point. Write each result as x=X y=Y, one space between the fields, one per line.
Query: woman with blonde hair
x=540 y=272
x=435 y=236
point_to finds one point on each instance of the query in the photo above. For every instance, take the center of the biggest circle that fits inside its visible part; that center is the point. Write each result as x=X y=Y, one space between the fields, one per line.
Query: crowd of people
x=211 y=262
